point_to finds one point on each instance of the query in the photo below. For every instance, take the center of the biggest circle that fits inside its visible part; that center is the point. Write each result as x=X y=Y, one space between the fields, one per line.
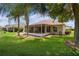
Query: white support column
x=63 y=29
x=34 y=29
x=13 y=29
x=45 y=28
x=41 y=28
x=50 y=29
x=28 y=29
x=24 y=29
x=7 y=29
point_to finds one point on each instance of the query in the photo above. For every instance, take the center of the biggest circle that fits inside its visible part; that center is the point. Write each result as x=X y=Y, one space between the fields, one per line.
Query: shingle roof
x=48 y=22
x=15 y=25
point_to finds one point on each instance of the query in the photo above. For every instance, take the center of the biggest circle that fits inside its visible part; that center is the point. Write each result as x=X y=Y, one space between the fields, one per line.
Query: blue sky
x=33 y=19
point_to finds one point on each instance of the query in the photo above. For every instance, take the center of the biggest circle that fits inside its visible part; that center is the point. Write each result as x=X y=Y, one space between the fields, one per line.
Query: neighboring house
x=1 y=27
x=44 y=26
x=13 y=27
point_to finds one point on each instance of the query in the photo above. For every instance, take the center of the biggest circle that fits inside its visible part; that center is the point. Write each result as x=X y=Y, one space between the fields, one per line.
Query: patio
x=38 y=34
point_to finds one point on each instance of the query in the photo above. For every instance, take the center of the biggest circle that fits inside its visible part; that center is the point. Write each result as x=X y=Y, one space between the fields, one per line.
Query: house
x=47 y=26
x=43 y=27
x=13 y=27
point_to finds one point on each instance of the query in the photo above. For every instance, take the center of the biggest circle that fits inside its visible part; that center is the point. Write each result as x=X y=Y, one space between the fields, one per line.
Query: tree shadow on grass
x=53 y=46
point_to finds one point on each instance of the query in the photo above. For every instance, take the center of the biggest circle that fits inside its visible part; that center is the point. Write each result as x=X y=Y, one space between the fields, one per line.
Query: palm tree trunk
x=75 y=9
x=18 y=25
x=27 y=24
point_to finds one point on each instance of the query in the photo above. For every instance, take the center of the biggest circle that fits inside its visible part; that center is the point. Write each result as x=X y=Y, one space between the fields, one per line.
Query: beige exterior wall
x=64 y=29
x=60 y=28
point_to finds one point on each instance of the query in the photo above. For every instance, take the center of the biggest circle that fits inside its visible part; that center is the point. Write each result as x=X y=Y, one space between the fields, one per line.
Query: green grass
x=51 y=45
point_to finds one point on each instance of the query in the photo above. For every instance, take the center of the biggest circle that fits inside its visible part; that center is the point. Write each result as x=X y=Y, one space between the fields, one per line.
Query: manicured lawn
x=51 y=45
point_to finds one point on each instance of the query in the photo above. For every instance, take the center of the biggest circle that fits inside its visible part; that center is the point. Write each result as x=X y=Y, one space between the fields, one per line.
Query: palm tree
x=9 y=19
x=19 y=10
x=26 y=10
x=6 y=8
x=16 y=13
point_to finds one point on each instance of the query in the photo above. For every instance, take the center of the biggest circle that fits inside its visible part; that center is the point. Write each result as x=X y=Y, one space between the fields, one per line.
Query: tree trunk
x=75 y=9
x=27 y=24
x=18 y=25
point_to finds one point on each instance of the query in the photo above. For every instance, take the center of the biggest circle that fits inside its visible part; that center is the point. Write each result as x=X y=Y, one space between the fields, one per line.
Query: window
x=55 y=29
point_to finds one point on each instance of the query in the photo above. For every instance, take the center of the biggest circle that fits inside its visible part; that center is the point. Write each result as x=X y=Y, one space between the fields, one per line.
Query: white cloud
x=33 y=19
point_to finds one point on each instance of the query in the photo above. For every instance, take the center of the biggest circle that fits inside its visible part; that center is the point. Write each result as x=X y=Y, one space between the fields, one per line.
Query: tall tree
x=24 y=11
x=65 y=12
x=16 y=13
x=9 y=19
x=5 y=8
x=75 y=8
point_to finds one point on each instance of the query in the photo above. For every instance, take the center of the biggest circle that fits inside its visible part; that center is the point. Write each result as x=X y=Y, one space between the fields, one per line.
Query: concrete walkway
x=36 y=34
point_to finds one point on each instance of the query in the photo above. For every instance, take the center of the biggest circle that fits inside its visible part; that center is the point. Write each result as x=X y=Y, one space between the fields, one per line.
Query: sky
x=32 y=19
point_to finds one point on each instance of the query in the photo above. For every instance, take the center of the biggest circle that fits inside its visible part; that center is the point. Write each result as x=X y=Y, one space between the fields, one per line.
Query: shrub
x=68 y=31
